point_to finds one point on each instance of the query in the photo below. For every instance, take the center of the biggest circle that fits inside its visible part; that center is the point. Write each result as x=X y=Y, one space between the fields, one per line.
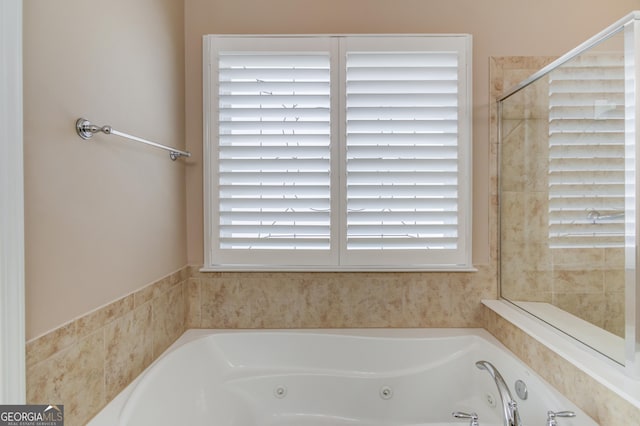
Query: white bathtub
x=390 y=377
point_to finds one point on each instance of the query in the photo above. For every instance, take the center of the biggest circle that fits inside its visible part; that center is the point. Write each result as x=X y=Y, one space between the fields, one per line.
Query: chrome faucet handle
x=551 y=416
x=473 y=417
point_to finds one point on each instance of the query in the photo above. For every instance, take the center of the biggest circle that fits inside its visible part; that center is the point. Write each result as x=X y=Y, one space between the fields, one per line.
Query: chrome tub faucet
x=509 y=405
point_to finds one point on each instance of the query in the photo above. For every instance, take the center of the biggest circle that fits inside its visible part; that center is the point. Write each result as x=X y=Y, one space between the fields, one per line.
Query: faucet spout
x=509 y=405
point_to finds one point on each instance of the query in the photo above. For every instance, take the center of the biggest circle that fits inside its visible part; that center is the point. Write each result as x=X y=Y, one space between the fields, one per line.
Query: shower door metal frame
x=630 y=27
x=632 y=199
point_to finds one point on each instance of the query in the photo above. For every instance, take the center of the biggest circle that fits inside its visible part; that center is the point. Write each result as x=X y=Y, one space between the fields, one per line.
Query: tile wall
x=337 y=300
x=87 y=362
x=600 y=403
x=586 y=282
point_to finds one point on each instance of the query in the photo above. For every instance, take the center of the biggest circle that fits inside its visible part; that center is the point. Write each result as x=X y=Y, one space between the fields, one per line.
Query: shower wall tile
x=614 y=281
x=575 y=279
x=578 y=281
x=534 y=280
x=614 y=258
x=539 y=257
x=513 y=179
x=537 y=217
x=526 y=158
x=85 y=363
x=584 y=257
x=614 y=320
x=538 y=156
x=530 y=280
x=590 y=307
x=524 y=217
x=513 y=223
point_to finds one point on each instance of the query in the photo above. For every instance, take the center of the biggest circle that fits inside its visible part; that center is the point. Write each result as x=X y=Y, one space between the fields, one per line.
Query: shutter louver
x=402 y=150
x=586 y=152
x=274 y=155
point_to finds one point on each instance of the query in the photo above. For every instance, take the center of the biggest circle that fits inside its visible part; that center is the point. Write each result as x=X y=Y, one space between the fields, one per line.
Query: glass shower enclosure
x=568 y=191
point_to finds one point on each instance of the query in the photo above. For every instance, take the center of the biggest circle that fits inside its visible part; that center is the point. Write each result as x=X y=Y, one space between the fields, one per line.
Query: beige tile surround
x=84 y=364
x=600 y=403
x=87 y=362
x=337 y=300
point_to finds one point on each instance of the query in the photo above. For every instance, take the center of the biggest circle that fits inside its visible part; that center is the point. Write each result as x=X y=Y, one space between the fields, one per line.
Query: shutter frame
x=217 y=117
x=439 y=231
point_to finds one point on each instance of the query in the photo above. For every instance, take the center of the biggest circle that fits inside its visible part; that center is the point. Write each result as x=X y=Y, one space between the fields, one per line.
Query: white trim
x=601 y=340
x=206 y=147
x=12 y=304
x=345 y=268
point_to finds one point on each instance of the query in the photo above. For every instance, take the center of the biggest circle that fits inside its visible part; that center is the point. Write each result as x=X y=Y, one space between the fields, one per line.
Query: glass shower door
x=568 y=194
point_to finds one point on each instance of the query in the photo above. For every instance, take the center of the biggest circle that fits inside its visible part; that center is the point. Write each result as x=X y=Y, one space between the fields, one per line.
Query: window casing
x=337 y=152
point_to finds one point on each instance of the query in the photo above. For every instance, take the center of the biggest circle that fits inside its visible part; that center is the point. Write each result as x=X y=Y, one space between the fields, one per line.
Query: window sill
x=267 y=268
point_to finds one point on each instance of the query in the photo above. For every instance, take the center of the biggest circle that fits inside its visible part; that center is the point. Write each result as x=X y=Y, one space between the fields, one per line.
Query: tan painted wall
x=499 y=28
x=104 y=217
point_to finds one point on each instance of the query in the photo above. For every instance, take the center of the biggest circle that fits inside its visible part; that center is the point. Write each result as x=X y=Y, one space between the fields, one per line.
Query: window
x=337 y=152
x=586 y=152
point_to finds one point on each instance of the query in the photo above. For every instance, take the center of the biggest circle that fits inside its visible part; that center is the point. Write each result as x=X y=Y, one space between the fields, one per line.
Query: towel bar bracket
x=86 y=130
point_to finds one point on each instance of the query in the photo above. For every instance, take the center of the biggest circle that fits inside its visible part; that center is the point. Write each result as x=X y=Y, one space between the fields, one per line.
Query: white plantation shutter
x=272 y=175
x=402 y=171
x=406 y=111
x=325 y=155
x=586 y=152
